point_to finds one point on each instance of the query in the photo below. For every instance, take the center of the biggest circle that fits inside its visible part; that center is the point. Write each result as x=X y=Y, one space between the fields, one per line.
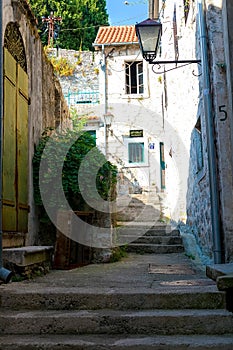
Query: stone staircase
x=160 y=239
x=67 y=316
x=115 y=321
x=140 y=228
x=144 y=302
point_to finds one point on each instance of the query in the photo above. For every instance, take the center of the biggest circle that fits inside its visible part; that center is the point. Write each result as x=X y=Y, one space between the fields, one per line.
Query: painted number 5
x=222 y=110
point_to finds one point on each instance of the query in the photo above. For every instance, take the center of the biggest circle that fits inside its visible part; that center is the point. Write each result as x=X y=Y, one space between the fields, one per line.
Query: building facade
x=143 y=139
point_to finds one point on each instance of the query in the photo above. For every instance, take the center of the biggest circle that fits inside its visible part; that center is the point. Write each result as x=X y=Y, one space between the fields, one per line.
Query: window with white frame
x=134 y=77
x=136 y=152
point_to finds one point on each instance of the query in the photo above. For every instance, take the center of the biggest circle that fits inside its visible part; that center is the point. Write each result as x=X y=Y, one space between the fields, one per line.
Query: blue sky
x=121 y=14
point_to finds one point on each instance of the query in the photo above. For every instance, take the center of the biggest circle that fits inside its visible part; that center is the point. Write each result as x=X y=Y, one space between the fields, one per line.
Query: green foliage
x=105 y=178
x=118 y=253
x=80 y=21
x=190 y=256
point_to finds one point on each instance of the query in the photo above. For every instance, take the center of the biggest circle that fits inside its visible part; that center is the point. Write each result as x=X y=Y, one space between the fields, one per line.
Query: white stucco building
x=171 y=129
x=149 y=137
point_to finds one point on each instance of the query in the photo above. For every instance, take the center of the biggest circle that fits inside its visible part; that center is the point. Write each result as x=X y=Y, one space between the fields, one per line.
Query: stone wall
x=86 y=72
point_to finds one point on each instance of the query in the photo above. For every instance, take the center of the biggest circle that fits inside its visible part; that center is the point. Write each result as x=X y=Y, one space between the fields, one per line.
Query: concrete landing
x=131 y=274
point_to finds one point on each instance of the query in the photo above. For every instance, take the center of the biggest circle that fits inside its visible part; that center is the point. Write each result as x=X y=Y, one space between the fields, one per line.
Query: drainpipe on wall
x=214 y=197
x=5 y=275
x=105 y=98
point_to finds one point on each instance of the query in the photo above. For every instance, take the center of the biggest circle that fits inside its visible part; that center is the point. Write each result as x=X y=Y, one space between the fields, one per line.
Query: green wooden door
x=15 y=147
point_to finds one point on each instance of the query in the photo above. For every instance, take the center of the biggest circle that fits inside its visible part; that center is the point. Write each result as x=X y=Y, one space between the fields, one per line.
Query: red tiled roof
x=116 y=34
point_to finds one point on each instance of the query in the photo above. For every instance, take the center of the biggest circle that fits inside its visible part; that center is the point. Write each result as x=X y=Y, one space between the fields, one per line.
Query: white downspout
x=104 y=68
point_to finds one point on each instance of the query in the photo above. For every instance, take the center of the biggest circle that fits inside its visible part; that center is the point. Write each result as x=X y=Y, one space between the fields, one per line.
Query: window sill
x=135 y=96
x=137 y=165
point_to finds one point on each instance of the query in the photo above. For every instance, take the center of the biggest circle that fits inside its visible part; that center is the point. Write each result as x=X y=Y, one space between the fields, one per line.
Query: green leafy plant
x=105 y=178
x=118 y=253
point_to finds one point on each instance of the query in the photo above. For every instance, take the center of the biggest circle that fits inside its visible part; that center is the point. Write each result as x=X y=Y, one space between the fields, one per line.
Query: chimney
x=154 y=9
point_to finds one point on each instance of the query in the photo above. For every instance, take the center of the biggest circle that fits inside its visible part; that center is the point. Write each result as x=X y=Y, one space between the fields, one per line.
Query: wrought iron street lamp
x=149 y=34
x=108 y=118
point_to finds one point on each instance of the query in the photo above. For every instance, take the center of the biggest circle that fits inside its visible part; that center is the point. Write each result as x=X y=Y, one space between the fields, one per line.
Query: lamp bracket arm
x=160 y=63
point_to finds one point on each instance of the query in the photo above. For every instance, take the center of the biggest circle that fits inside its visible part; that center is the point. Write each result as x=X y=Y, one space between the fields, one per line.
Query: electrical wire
x=132 y=3
x=96 y=26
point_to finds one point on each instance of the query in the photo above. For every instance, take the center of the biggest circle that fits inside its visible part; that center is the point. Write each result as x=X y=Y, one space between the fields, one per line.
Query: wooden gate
x=15 y=147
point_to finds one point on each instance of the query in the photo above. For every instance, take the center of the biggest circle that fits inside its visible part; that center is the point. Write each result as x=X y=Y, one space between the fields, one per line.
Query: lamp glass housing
x=108 y=119
x=149 y=35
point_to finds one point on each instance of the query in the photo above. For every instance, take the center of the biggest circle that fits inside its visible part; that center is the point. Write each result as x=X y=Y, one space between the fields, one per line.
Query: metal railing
x=82 y=97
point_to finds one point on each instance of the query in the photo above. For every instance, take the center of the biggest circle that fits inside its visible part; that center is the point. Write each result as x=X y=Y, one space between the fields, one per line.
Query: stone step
x=223 y=275
x=158 y=239
x=143 y=230
x=218 y=270
x=116 y=342
x=125 y=238
x=137 y=217
x=195 y=295
x=138 y=212
x=156 y=322
x=29 y=255
x=162 y=232
x=141 y=248
x=150 y=224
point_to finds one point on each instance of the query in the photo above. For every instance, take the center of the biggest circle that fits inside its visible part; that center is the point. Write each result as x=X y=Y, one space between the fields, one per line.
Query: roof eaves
x=116 y=44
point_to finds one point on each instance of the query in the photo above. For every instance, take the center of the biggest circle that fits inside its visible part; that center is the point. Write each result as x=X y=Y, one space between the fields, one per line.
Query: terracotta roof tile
x=116 y=34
